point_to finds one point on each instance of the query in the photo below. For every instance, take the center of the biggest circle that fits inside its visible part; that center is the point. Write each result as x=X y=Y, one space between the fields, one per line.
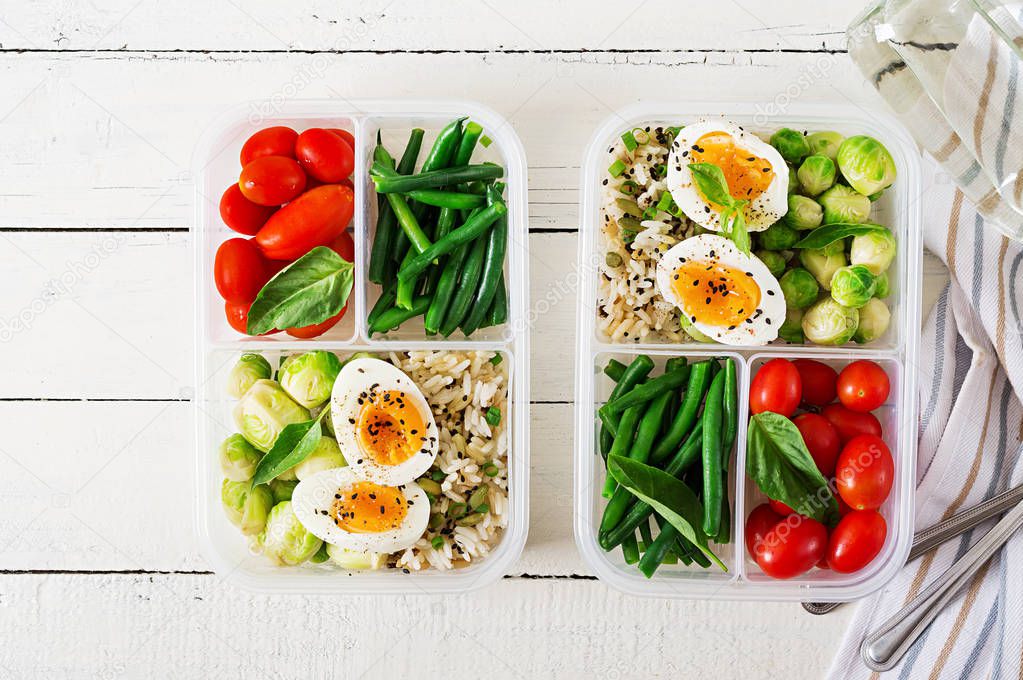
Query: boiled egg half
x=728 y=296
x=754 y=170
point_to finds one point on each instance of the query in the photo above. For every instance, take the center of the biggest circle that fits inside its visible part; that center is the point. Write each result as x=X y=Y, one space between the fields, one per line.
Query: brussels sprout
x=691 y=330
x=865 y=164
x=853 y=286
x=778 y=236
x=825 y=143
x=309 y=377
x=836 y=247
x=829 y=323
x=799 y=288
x=875 y=251
x=816 y=174
x=823 y=264
x=321 y=555
x=264 y=411
x=354 y=560
x=326 y=456
x=775 y=262
x=285 y=540
x=793 y=186
x=842 y=204
x=790 y=144
x=883 y=288
x=238 y=458
x=792 y=329
x=875 y=196
x=804 y=213
x=874 y=320
x=282 y=489
x=246 y=505
x=327 y=420
x=248 y=369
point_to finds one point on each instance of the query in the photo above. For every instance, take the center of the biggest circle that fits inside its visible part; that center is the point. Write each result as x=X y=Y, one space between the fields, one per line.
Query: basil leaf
x=778 y=461
x=829 y=233
x=669 y=497
x=293 y=445
x=310 y=290
x=711 y=182
x=738 y=231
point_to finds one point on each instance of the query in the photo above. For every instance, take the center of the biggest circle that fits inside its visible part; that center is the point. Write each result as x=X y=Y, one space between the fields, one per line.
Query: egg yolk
x=368 y=508
x=747 y=174
x=716 y=294
x=390 y=429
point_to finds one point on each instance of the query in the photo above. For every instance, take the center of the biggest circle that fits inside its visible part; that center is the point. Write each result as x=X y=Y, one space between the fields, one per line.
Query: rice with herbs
x=635 y=235
x=460 y=388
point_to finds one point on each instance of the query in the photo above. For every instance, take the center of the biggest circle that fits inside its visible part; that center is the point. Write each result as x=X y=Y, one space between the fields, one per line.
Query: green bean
x=645 y=536
x=470 y=135
x=623 y=442
x=630 y=549
x=380 y=256
x=614 y=370
x=448 y=199
x=383 y=303
x=395 y=316
x=432 y=179
x=695 y=553
x=445 y=287
x=490 y=277
x=646 y=391
x=725 y=532
x=633 y=375
x=651 y=559
x=676 y=395
x=445 y=223
x=405 y=290
x=712 y=474
x=406 y=166
x=473 y=228
x=443 y=150
x=409 y=224
x=467 y=280
x=730 y=411
x=685 y=416
x=498 y=313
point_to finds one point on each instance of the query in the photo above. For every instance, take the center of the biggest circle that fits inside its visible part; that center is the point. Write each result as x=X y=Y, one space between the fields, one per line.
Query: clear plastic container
x=217 y=345
x=896 y=351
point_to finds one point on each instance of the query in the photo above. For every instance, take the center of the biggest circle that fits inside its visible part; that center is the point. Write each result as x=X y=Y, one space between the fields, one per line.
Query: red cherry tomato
x=241 y=214
x=759 y=522
x=849 y=424
x=863 y=386
x=818 y=381
x=316 y=329
x=271 y=141
x=781 y=508
x=344 y=246
x=792 y=547
x=843 y=507
x=345 y=135
x=865 y=472
x=315 y=218
x=856 y=540
x=324 y=155
x=776 y=387
x=238 y=317
x=272 y=180
x=239 y=270
x=821 y=440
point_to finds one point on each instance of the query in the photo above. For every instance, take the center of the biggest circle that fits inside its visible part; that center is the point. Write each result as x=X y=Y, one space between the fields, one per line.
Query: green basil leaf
x=778 y=461
x=293 y=445
x=711 y=182
x=668 y=496
x=738 y=231
x=829 y=233
x=310 y=290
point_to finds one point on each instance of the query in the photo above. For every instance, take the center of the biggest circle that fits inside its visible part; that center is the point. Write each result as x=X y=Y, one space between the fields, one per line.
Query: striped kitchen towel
x=971 y=427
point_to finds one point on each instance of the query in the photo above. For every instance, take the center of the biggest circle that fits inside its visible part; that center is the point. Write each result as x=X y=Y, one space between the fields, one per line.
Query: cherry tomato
x=238 y=317
x=856 y=540
x=345 y=135
x=792 y=547
x=271 y=141
x=344 y=246
x=317 y=328
x=781 y=508
x=862 y=386
x=315 y=218
x=272 y=180
x=821 y=440
x=865 y=472
x=241 y=214
x=324 y=155
x=849 y=424
x=760 y=521
x=843 y=507
x=239 y=270
x=818 y=381
x=776 y=387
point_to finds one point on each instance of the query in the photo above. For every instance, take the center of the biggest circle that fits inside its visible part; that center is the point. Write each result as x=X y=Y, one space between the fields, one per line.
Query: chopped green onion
x=437 y=542
x=482 y=508
x=650 y=212
x=438 y=475
x=640 y=135
x=456 y=510
x=660 y=170
x=491 y=470
x=494 y=416
x=630 y=141
x=616 y=168
x=486 y=141
x=674 y=130
x=613 y=259
x=496 y=359
x=629 y=187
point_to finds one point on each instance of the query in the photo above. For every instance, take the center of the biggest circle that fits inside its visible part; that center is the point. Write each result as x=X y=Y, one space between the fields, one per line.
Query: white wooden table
x=100 y=575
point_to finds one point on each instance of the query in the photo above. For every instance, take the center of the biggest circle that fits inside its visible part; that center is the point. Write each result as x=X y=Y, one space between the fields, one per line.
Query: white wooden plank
x=106 y=140
x=194 y=626
x=382 y=25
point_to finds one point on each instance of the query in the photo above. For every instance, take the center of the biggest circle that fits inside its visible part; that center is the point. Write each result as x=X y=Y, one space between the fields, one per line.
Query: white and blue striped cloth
x=971 y=428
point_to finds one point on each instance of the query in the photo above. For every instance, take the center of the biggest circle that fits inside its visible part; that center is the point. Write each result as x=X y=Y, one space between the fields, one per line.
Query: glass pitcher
x=952 y=70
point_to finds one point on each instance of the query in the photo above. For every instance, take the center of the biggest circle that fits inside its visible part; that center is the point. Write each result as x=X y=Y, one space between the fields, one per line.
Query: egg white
x=356 y=378
x=762 y=212
x=761 y=327
x=315 y=494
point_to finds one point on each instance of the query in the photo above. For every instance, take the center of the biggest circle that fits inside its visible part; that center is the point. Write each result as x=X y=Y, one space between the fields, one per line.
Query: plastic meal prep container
x=899 y=209
x=218 y=346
